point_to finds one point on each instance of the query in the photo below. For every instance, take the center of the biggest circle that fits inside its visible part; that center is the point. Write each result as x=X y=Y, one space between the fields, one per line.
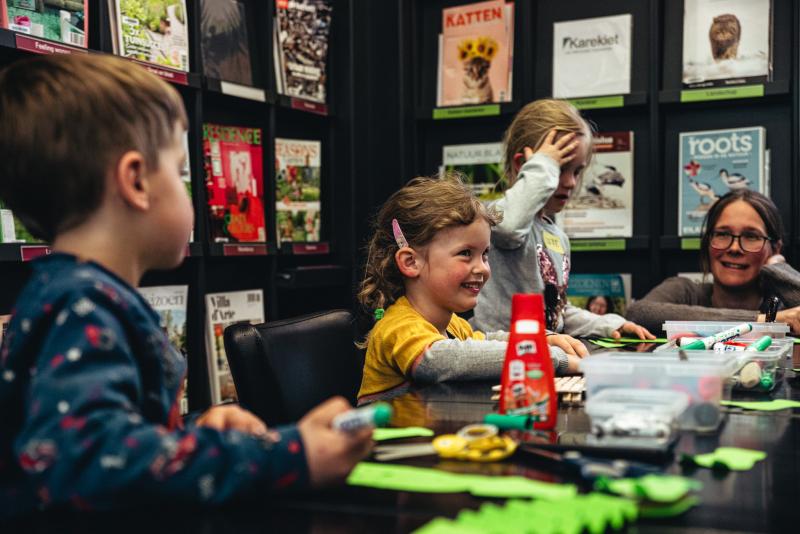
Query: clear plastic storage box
x=709 y=328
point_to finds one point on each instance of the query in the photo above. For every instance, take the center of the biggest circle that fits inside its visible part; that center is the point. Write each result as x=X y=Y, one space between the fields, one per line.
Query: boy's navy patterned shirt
x=89 y=390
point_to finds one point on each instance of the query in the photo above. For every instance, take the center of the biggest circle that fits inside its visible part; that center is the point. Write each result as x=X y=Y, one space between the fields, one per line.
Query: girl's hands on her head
x=331 y=454
x=568 y=344
x=632 y=329
x=561 y=151
x=232 y=417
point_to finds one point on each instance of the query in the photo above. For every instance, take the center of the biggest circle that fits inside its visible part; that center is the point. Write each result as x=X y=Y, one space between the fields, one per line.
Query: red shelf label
x=31 y=252
x=310 y=248
x=39 y=46
x=173 y=76
x=244 y=250
x=311 y=107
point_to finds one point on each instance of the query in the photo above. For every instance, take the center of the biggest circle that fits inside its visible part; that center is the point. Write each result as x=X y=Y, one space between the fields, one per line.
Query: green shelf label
x=722 y=93
x=690 y=243
x=466 y=112
x=598 y=102
x=586 y=245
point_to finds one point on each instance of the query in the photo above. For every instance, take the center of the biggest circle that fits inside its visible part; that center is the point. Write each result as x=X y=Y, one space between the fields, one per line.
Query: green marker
x=510 y=422
x=708 y=342
x=759 y=344
x=377 y=414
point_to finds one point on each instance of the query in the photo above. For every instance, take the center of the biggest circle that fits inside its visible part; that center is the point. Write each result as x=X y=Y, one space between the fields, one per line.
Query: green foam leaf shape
x=656 y=488
x=730 y=457
x=763 y=406
x=382 y=434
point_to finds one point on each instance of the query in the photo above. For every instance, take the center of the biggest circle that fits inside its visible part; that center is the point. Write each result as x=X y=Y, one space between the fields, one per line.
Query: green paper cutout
x=763 y=406
x=440 y=525
x=656 y=488
x=730 y=457
x=633 y=340
x=426 y=480
x=606 y=344
x=670 y=510
x=382 y=434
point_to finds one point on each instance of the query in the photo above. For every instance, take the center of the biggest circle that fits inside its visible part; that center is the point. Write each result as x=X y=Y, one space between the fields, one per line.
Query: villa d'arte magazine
x=592 y=57
x=603 y=206
x=297 y=190
x=713 y=163
x=154 y=31
x=480 y=165
x=726 y=42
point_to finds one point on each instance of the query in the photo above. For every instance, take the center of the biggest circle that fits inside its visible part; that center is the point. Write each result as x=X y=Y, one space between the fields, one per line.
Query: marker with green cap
x=510 y=422
x=708 y=342
x=377 y=414
x=759 y=344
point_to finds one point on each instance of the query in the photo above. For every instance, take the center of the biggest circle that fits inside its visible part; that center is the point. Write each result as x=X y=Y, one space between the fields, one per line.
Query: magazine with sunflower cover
x=225 y=41
x=64 y=21
x=223 y=310
x=480 y=165
x=475 y=54
x=154 y=31
x=297 y=190
x=234 y=175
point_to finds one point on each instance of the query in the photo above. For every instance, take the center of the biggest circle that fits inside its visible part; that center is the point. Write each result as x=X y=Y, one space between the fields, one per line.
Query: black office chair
x=282 y=369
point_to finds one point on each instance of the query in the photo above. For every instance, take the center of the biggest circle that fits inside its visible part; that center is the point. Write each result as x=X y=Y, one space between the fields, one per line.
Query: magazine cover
x=170 y=304
x=600 y=293
x=726 y=42
x=480 y=164
x=475 y=54
x=303 y=28
x=223 y=310
x=297 y=190
x=603 y=207
x=592 y=57
x=234 y=183
x=12 y=230
x=152 y=30
x=711 y=164
x=224 y=41
x=65 y=21
x=4 y=320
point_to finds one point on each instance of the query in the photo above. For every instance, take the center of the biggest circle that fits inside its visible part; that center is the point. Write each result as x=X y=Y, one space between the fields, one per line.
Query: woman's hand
x=568 y=344
x=790 y=316
x=632 y=329
x=775 y=258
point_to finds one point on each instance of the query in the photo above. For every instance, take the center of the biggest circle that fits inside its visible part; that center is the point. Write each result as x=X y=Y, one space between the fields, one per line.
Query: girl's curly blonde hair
x=422 y=208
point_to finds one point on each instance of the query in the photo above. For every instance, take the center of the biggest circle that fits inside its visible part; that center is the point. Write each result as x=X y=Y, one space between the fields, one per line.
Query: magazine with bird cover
x=297 y=190
x=476 y=51
x=154 y=31
x=592 y=57
x=233 y=163
x=302 y=34
x=726 y=42
x=603 y=206
x=170 y=304
x=600 y=293
x=223 y=310
x=225 y=41
x=713 y=163
x=481 y=166
x=64 y=21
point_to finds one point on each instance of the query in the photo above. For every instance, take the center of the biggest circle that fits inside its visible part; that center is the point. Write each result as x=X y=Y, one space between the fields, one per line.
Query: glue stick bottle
x=528 y=386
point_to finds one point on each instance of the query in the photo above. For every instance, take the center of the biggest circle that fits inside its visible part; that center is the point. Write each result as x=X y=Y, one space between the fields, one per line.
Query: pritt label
x=516 y=370
x=526 y=347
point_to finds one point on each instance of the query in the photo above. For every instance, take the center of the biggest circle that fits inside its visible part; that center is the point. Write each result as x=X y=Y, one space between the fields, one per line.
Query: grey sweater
x=682 y=299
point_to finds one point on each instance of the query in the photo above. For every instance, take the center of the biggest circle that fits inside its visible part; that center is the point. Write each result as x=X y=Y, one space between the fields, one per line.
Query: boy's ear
x=131 y=180
x=408 y=262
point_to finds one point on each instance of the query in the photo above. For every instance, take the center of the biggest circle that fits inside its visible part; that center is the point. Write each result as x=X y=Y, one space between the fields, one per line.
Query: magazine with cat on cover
x=297 y=190
x=726 y=42
x=63 y=21
x=223 y=310
x=600 y=293
x=170 y=304
x=234 y=174
x=302 y=31
x=603 y=206
x=592 y=57
x=476 y=49
x=154 y=31
x=481 y=166
x=712 y=163
x=225 y=41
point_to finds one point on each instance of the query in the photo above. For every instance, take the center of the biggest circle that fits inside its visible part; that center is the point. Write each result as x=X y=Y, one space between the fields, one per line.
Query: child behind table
x=427 y=261
x=90 y=159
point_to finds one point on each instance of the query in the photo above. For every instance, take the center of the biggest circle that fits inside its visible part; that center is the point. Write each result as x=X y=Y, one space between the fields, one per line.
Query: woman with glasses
x=741 y=248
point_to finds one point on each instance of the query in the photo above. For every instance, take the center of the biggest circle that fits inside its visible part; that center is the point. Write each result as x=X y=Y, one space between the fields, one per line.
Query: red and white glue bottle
x=528 y=386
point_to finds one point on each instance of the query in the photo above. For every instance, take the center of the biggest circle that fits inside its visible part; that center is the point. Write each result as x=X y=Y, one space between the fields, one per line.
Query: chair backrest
x=284 y=368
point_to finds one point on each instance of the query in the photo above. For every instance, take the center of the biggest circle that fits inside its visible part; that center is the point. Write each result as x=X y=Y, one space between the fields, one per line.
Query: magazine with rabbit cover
x=726 y=42
x=713 y=163
x=592 y=57
x=475 y=54
x=64 y=21
x=297 y=190
x=602 y=205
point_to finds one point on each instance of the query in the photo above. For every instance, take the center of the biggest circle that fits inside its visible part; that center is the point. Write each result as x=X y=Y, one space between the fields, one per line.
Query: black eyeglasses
x=748 y=241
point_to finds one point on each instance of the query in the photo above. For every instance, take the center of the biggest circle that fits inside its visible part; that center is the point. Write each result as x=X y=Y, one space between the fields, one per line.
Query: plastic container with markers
x=675 y=329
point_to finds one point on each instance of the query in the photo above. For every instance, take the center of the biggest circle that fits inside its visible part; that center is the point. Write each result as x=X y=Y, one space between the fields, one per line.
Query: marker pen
x=721 y=346
x=377 y=414
x=759 y=344
x=708 y=342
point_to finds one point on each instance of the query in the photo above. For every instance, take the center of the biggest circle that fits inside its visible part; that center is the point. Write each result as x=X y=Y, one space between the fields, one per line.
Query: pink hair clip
x=399 y=238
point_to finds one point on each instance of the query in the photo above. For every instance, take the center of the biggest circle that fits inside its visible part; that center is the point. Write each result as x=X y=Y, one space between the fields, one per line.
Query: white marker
x=377 y=414
x=708 y=342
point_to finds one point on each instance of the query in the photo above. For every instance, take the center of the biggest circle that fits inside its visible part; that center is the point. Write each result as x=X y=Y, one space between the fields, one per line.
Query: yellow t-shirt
x=395 y=342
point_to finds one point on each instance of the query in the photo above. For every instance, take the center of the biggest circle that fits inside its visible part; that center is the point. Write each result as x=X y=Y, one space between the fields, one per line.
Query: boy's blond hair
x=66 y=121
x=531 y=125
x=422 y=208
